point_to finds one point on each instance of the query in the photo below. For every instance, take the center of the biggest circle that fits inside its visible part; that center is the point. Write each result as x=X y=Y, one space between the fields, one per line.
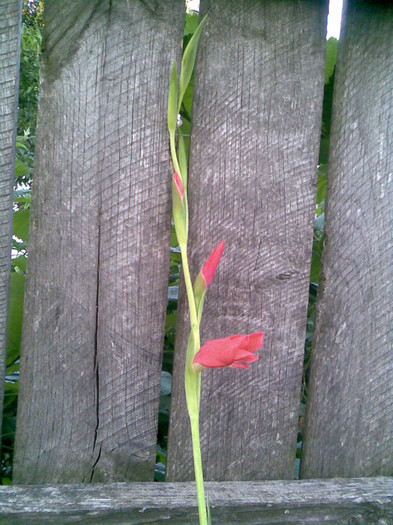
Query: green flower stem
x=198 y=469
x=193 y=389
x=192 y=379
x=191 y=300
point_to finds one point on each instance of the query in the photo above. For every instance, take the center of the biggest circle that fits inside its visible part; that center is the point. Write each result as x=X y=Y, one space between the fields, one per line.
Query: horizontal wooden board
x=335 y=501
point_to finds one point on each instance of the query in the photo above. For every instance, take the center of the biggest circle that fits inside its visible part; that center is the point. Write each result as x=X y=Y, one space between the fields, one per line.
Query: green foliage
x=29 y=73
x=32 y=23
x=188 y=61
x=331 y=58
x=15 y=315
x=24 y=158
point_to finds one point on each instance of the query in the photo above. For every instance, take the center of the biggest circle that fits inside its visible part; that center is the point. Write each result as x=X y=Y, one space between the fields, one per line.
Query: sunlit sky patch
x=334 y=18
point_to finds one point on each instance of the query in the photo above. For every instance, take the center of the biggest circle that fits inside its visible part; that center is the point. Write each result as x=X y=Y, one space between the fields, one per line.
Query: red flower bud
x=234 y=351
x=210 y=266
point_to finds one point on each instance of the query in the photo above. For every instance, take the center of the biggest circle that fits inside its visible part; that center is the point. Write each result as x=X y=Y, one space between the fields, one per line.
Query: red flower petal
x=239 y=365
x=234 y=351
x=210 y=266
x=255 y=341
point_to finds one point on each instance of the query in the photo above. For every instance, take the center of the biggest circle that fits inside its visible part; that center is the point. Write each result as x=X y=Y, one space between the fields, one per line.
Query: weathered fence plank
x=349 y=429
x=335 y=502
x=10 y=20
x=254 y=150
x=99 y=244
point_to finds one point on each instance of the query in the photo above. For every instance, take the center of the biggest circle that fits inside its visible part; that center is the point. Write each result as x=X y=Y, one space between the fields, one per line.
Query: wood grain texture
x=134 y=235
x=254 y=150
x=10 y=28
x=334 y=502
x=99 y=245
x=349 y=424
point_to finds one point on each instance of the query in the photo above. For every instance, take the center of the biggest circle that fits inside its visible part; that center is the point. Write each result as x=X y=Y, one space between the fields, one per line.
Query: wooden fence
x=98 y=263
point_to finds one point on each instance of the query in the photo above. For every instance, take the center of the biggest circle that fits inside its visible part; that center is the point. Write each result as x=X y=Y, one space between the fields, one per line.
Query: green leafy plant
x=235 y=351
x=32 y=23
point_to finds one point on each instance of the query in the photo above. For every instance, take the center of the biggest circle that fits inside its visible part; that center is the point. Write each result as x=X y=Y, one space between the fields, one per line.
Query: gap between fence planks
x=253 y=165
x=10 y=29
x=334 y=502
x=99 y=246
x=349 y=422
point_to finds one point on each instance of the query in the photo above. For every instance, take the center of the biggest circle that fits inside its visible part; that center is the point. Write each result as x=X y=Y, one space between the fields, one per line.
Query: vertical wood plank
x=98 y=260
x=254 y=149
x=134 y=235
x=10 y=28
x=349 y=430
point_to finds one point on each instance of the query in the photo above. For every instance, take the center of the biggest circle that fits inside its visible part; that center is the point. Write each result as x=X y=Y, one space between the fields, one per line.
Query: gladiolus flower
x=234 y=351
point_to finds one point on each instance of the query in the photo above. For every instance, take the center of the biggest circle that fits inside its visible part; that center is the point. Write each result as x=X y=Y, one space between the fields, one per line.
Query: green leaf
x=209 y=516
x=10 y=393
x=186 y=107
x=15 y=316
x=21 y=224
x=174 y=241
x=21 y=169
x=321 y=184
x=182 y=155
x=315 y=267
x=187 y=63
x=331 y=57
x=191 y=24
x=6 y=481
x=172 y=101
x=19 y=262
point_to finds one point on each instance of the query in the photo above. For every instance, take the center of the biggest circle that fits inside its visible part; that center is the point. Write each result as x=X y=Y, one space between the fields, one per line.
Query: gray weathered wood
x=10 y=20
x=99 y=244
x=254 y=150
x=335 y=502
x=349 y=424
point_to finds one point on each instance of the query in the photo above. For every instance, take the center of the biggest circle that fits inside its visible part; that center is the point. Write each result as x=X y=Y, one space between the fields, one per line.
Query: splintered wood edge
x=131 y=498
